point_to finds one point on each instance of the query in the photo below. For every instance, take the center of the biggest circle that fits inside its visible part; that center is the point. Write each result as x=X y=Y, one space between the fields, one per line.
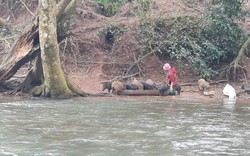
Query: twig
x=88 y=70
x=7 y=38
x=73 y=49
x=123 y=77
x=217 y=82
x=98 y=62
x=137 y=61
x=64 y=50
x=157 y=58
x=27 y=8
x=19 y=76
x=138 y=66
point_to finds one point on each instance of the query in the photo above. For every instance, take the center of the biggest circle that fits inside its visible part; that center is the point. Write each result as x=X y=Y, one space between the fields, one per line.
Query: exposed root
x=24 y=86
x=235 y=68
x=74 y=88
x=236 y=71
x=37 y=91
x=44 y=91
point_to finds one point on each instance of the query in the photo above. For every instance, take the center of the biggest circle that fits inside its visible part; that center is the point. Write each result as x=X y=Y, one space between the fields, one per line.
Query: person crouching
x=171 y=79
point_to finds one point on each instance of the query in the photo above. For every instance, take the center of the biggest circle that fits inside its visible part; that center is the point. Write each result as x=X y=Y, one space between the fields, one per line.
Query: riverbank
x=91 y=84
x=88 y=59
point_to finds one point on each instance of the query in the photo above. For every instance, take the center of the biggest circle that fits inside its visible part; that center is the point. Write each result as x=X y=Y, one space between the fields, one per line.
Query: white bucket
x=229 y=91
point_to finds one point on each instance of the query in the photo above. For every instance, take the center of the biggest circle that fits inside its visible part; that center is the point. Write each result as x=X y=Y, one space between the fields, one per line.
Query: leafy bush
x=203 y=41
x=223 y=30
x=109 y=7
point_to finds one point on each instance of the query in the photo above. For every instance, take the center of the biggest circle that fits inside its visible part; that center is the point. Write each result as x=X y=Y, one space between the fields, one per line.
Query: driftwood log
x=210 y=83
x=24 y=50
x=140 y=92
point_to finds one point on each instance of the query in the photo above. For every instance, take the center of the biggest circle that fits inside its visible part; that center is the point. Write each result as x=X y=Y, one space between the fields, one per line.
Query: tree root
x=44 y=91
x=74 y=88
x=236 y=71
x=234 y=68
x=24 y=86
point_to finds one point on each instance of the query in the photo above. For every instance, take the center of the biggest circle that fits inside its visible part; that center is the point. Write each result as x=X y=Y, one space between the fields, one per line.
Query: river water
x=127 y=126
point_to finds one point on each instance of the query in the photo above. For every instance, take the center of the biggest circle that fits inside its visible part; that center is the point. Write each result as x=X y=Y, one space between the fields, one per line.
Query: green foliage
x=142 y=7
x=203 y=41
x=223 y=30
x=109 y=7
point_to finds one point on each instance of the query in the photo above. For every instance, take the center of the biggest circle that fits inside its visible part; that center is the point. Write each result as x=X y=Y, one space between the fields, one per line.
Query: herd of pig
x=117 y=86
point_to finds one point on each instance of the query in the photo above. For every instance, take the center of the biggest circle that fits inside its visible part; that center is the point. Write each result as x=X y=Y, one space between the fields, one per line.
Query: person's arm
x=171 y=86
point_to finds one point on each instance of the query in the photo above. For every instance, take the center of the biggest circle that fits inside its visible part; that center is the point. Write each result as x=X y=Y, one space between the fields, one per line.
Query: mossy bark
x=26 y=48
x=54 y=84
x=50 y=78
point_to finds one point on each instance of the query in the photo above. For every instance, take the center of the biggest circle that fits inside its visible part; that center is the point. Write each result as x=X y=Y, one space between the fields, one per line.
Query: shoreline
x=187 y=96
x=188 y=93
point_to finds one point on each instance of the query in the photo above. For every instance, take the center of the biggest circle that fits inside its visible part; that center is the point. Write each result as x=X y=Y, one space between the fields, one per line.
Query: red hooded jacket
x=172 y=77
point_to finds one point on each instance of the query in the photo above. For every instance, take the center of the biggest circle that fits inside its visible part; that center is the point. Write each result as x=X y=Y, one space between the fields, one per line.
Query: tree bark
x=27 y=47
x=22 y=52
x=54 y=84
x=51 y=78
x=33 y=78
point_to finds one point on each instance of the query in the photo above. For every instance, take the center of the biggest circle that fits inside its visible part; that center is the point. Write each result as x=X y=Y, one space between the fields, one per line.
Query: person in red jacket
x=171 y=77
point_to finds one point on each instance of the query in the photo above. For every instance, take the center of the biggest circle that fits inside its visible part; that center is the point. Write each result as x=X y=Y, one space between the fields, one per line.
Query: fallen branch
x=139 y=60
x=99 y=94
x=123 y=77
x=95 y=62
x=211 y=83
x=217 y=82
x=19 y=76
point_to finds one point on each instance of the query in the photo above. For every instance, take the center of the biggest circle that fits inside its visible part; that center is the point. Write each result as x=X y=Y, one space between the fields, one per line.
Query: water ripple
x=123 y=127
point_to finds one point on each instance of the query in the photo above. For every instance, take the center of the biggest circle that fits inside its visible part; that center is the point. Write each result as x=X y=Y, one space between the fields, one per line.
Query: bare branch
x=27 y=8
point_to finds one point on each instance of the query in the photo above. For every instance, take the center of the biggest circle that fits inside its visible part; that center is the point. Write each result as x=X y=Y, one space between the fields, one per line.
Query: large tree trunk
x=54 y=84
x=27 y=48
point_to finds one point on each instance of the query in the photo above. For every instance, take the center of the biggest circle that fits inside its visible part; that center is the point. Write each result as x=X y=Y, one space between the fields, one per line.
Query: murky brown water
x=142 y=126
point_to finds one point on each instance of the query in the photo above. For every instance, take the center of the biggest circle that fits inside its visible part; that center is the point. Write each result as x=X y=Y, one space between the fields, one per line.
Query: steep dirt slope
x=89 y=59
x=95 y=63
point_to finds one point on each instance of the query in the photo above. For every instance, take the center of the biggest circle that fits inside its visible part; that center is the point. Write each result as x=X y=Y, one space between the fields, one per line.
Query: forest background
x=110 y=40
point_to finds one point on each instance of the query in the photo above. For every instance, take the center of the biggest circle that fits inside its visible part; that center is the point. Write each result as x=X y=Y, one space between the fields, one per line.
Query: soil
x=89 y=60
x=98 y=65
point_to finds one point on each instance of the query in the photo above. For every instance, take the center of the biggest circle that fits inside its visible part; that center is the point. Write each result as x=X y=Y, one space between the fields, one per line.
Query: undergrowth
x=204 y=40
